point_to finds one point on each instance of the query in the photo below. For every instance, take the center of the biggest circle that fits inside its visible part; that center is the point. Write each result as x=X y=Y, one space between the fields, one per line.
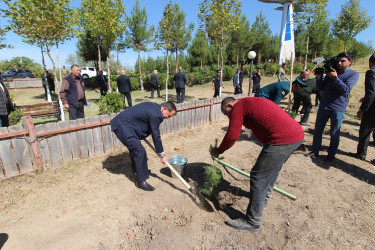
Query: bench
x=41 y=109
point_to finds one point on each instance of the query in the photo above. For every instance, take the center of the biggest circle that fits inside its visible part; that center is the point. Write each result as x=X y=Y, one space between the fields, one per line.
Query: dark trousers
x=336 y=117
x=77 y=112
x=237 y=90
x=263 y=177
x=255 y=88
x=129 y=97
x=241 y=80
x=137 y=152
x=305 y=98
x=45 y=92
x=367 y=127
x=4 y=121
x=103 y=90
x=318 y=96
x=217 y=91
x=180 y=95
x=153 y=88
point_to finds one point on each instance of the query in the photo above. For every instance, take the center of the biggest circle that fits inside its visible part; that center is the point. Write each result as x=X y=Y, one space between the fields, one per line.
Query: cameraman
x=336 y=86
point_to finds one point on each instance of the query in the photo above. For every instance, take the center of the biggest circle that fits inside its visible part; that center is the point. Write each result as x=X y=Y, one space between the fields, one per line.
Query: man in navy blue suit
x=102 y=82
x=135 y=124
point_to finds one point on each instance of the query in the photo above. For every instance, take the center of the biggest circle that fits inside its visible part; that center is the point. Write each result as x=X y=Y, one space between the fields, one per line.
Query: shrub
x=111 y=103
x=195 y=78
x=228 y=73
x=162 y=77
x=135 y=82
x=212 y=180
x=15 y=117
x=298 y=67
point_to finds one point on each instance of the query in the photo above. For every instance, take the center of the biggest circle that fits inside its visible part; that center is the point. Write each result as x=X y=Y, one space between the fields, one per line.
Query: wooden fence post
x=33 y=141
x=211 y=109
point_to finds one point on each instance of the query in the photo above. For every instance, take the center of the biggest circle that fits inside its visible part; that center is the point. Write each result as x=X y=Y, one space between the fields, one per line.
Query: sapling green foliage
x=111 y=103
x=15 y=117
x=212 y=180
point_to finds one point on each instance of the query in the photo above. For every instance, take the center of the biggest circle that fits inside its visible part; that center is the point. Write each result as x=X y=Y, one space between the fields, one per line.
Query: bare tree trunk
x=139 y=68
x=166 y=81
x=258 y=57
x=176 y=61
x=62 y=114
x=237 y=57
x=201 y=62
x=222 y=63
x=218 y=58
x=307 y=48
x=49 y=99
x=99 y=61
x=109 y=74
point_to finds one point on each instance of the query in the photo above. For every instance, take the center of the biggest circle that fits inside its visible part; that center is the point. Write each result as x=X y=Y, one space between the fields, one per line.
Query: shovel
x=173 y=170
x=202 y=202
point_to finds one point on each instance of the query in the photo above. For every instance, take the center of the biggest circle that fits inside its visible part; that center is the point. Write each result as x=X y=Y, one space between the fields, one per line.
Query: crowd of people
x=279 y=133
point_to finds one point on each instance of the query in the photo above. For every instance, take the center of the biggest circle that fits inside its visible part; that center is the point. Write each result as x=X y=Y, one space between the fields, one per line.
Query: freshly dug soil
x=94 y=204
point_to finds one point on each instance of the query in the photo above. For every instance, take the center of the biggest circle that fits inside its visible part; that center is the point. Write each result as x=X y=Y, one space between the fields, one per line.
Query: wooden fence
x=25 y=148
x=24 y=83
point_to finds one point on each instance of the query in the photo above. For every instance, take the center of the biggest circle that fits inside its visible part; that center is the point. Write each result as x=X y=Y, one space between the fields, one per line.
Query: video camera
x=330 y=64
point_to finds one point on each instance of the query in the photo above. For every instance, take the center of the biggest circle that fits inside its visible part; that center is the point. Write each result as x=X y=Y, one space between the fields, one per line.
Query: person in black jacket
x=180 y=80
x=137 y=123
x=124 y=86
x=155 y=84
x=367 y=111
x=6 y=105
x=102 y=82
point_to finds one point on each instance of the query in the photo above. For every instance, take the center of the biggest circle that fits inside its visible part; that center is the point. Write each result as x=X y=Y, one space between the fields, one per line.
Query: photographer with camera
x=336 y=86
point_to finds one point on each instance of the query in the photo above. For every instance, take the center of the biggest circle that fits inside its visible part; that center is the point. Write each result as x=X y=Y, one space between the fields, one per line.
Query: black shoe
x=242 y=224
x=312 y=155
x=144 y=185
x=304 y=124
x=358 y=156
x=329 y=159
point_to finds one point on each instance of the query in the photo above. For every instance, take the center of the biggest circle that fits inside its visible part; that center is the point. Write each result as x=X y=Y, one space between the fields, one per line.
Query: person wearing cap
x=336 y=86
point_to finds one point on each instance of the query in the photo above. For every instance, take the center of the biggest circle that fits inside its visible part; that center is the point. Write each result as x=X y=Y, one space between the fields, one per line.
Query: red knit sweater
x=268 y=122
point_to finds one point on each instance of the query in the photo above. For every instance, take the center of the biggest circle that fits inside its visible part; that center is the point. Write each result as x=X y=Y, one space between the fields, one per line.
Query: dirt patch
x=94 y=204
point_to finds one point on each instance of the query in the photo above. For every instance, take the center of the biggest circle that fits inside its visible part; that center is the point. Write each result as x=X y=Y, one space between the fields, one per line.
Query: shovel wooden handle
x=172 y=169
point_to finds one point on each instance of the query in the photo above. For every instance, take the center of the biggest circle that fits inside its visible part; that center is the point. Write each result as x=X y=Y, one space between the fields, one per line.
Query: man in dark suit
x=102 y=82
x=180 y=80
x=155 y=84
x=124 y=86
x=135 y=124
x=367 y=111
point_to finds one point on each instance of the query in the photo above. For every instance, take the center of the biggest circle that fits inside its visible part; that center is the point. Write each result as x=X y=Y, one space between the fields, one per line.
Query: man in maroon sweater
x=280 y=135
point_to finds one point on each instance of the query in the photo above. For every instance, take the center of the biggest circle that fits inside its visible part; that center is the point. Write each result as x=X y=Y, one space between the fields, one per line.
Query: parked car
x=9 y=74
x=90 y=72
x=29 y=73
